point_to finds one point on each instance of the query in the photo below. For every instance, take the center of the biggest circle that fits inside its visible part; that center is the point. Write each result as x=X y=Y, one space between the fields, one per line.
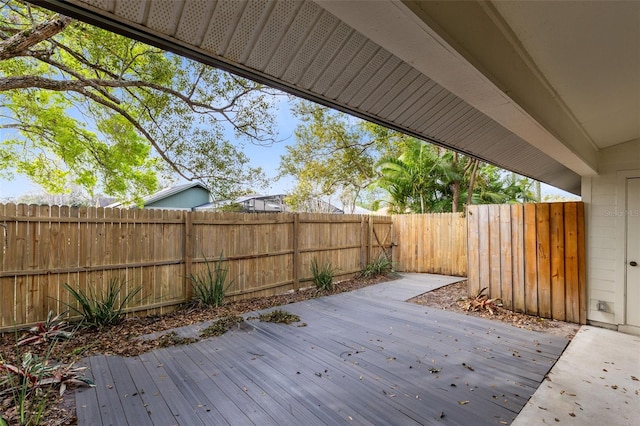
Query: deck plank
x=364 y=357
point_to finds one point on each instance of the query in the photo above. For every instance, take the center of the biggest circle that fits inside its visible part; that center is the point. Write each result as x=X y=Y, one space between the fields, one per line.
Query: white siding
x=604 y=201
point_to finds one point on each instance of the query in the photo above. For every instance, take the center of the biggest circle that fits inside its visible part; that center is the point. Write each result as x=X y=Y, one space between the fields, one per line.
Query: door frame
x=621 y=243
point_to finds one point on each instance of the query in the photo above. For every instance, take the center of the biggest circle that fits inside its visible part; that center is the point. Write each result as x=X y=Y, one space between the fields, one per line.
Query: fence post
x=370 y=251
x=296 y=251
x=187 y=254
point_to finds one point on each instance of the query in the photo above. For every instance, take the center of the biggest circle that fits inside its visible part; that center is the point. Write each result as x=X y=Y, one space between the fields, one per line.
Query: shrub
x=102 y=310
x=322 y=275
x=381 y=266
x=209 y=287
x=54 y=328
x=25 y=387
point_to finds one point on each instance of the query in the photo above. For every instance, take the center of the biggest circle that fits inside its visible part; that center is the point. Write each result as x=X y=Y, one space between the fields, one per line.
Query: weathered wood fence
x=431 y=243
x=532 y=256
x=46 y=246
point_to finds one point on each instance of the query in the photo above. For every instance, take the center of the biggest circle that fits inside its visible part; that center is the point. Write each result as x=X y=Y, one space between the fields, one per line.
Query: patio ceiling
x=534 y=87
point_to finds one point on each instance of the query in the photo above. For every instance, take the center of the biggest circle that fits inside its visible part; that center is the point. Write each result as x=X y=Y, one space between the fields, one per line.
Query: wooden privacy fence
x=431 y=243
x=46 y=246
x=532 y=256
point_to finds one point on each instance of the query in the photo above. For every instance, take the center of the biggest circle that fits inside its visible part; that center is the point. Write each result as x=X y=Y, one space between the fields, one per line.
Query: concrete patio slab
x=596 y=381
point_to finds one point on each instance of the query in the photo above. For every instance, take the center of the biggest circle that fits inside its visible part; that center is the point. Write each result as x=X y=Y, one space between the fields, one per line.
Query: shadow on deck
x=364 y=357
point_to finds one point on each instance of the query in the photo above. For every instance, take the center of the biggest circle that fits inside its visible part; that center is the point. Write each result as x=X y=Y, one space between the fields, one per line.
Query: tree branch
x=24 y=40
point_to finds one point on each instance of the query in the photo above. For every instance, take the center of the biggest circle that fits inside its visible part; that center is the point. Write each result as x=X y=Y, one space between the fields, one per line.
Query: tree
x=425 y=178
x=334 y=154
x=86 y=106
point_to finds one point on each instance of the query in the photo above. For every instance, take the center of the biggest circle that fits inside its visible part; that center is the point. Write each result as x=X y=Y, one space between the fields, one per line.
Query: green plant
x=279 y=316
x=322 y=275
x=105 y=309
x=381 y=266
x=26 y=386
x=210 y=286
x=54 y=328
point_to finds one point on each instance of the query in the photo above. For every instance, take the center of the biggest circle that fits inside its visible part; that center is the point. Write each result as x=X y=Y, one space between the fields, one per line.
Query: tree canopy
x=81 y=105
x=338 y=154
x=334 y=154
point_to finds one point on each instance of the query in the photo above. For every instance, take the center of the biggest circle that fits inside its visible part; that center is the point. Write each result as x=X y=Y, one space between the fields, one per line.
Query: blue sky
x=267 y=157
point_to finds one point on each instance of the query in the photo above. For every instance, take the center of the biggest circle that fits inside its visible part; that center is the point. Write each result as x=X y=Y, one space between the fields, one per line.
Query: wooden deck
x=363 y=358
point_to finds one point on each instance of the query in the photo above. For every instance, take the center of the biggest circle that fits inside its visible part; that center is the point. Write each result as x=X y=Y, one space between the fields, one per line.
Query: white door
x=633 y=252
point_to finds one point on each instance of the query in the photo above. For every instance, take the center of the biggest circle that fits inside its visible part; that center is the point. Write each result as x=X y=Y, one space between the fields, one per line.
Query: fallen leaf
x=463 y=402
x=635 y=378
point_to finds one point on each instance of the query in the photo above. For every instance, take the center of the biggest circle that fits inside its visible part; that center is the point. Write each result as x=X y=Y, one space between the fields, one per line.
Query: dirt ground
x=123 y=339
x=452 y=298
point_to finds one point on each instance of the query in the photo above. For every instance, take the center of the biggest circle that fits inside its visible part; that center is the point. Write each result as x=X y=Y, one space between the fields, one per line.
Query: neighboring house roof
x=164 y=193
x=167 y=192
x=251 y=203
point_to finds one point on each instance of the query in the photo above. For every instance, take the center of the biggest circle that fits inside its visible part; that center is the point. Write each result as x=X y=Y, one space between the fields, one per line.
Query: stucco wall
x=604 y=197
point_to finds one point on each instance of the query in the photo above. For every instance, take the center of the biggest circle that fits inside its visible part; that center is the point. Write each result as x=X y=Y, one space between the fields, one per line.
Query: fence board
x=544 y=259
x=557 y=262
x=541 y=257
x=473 y=252
x=582 y=268
x=484 y=235
x=505 y=282
x=572 y=300
x=531 y=260
x=517 y=253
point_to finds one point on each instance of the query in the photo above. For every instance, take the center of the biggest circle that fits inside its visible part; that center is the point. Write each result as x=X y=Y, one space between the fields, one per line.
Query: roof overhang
x=461 y=74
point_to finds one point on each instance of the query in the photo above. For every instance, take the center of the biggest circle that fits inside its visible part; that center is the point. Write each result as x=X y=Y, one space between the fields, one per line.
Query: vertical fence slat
x=544 y=260
x=572 y=294
x=517 y=253
x=557 y=262
x=530 y=260
x=473 y=253
x=582 y=269
x=506 y=257
x=494 y=252
x=484 y=269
